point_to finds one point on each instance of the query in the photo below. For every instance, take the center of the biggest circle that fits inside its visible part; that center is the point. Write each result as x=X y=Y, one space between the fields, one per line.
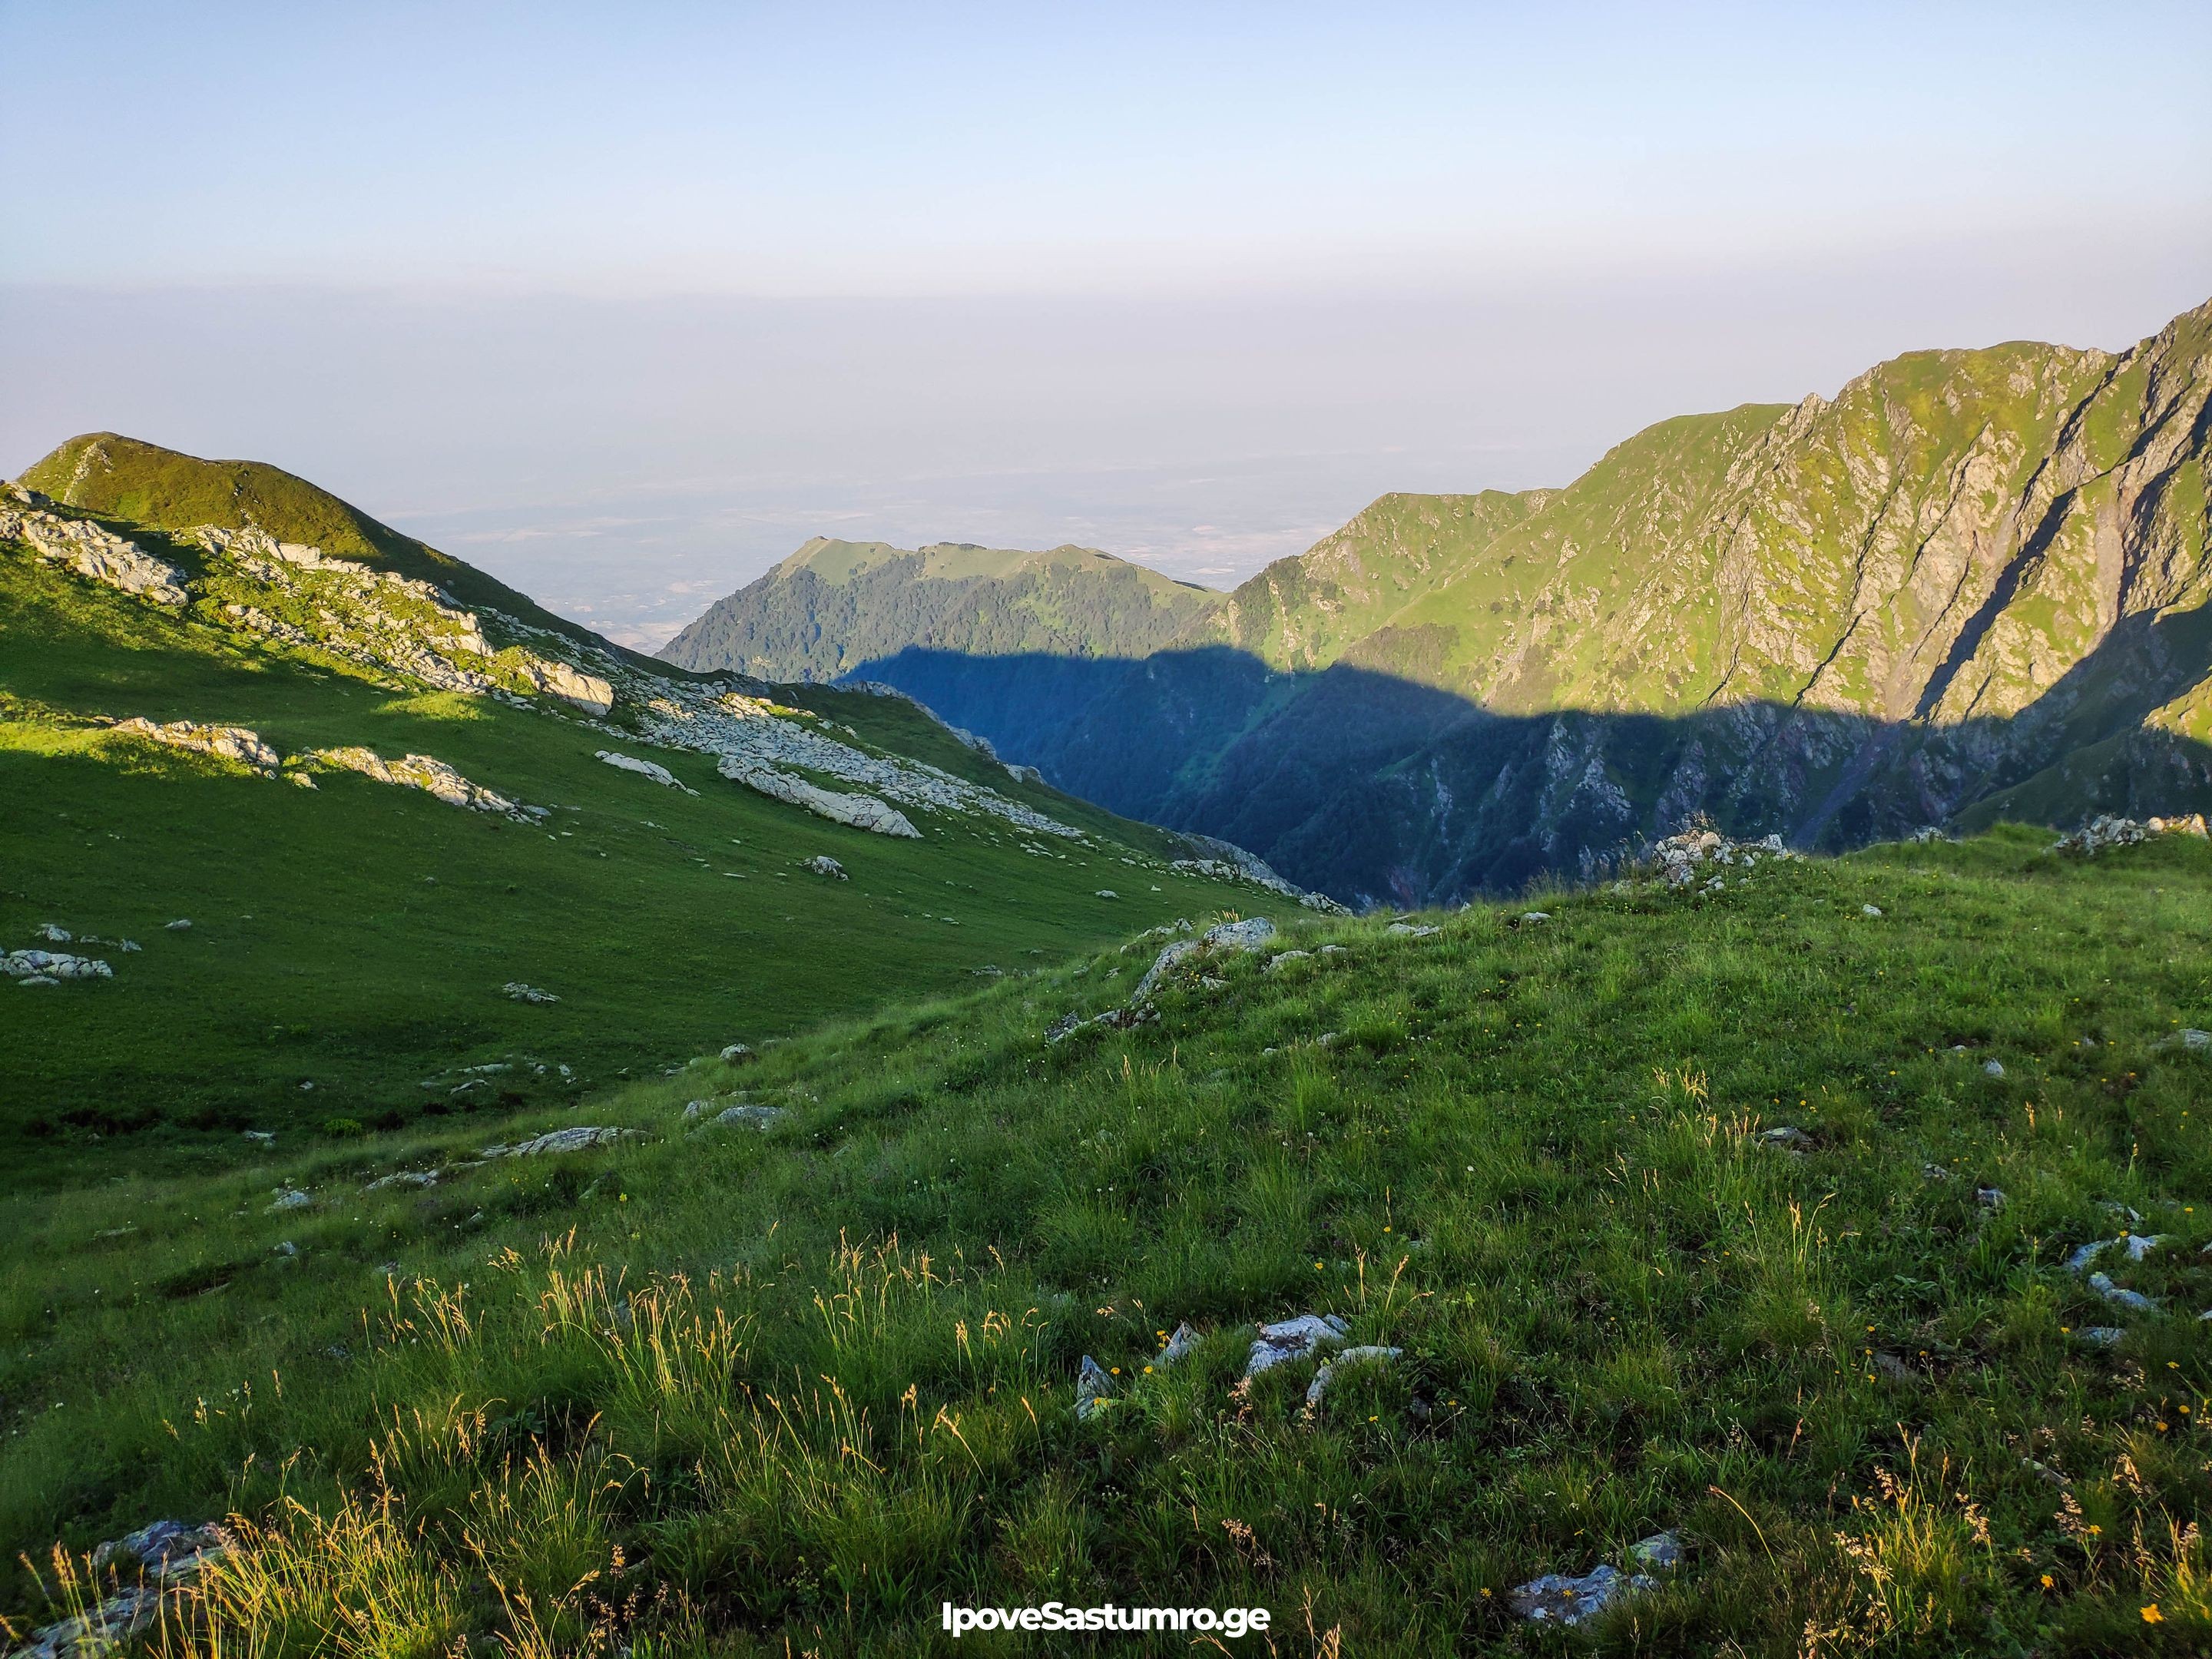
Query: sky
x=624 y=302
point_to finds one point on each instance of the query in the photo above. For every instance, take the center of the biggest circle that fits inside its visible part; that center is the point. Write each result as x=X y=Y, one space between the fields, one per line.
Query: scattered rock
x=580 y=1139
x=1230 y=862
x=1246 y=935
x=1106 y=893
x=762 y=1118
x=1993 y=1067
x=1094 y=1389
x=1410 y=930
x=288 y=1248
x=2101 y=1336
x=645 y=769
x=1319 y=1386
x=1275 y=961
x=291 y=1198
x=587 y=691
x=165 y=1553
x=1178 y=1346
x=1293 y=1338
x=1557 y=1598
x=1677 y=859
x=51 y=967
x=265 y=1136
x=2108 y=830
x=53 y=934
x=403 y=1178
x=2189 y=1037
x=95 y=553
x=1533 y=918
x=179 y=925
x=1874 y=910
x=428 y=774
x=738 y=1053
x=1785 y=1138
x=520 y=992
x=1934 y=1172
x=1334 y=950
x=231 y=742
x=2119 y=1296
x=860 y=811
x=823 y=864
x=1661 y=1552
x=1989 y=1198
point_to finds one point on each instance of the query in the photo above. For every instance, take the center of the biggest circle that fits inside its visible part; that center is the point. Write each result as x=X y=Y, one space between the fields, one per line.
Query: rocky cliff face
x=1973 y=584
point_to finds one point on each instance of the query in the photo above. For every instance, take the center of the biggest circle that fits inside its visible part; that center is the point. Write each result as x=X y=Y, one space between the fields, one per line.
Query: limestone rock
x=823 y=864
x=2108 y=830
x=51 y=966
x=580 y=1139
x=1094 y=1389
x=1661 y=1552
x=289 y=1198
x=95 y=553
x=860 y=811
x=762 y=1118
x=2119 y=1296
x=1178 y=1346
x=230 y=742
x=428 y=774
x=167 y=1554
x=1412 y=930
x=1293 y=1338
x=587 y=691
x=738 y=1053
x=645 y=769
x=521 y=992
x=1556 y=1598
x=1319 y=1387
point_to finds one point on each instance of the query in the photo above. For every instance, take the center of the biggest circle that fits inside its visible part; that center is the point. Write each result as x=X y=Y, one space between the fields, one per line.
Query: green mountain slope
x=833 y=606
x=1798 y=1216
x=356 y=932
x=1974 y=583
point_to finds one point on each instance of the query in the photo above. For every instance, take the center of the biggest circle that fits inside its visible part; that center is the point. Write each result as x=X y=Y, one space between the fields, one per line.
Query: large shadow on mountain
x=1377 y=788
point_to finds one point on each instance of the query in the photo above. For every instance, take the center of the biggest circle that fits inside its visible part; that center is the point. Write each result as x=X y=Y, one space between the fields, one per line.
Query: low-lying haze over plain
x=1190 y=286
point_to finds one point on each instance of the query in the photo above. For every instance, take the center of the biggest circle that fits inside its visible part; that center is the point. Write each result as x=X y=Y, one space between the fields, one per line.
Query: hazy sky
x=625 y=302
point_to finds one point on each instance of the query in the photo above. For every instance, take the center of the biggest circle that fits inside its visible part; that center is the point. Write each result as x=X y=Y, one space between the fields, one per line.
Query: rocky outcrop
x=97 y=554
x=231 y=742
x=2108 y=830
x=860 y=811
x=581 y=1139
x=428 y=774
x=1225 y=860
x=51 y=967
x=587 y=691
x=139 y=1571
x=645 y=769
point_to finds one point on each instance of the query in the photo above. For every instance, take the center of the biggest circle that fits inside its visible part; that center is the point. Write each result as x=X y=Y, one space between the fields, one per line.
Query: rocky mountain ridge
x=1973 y=584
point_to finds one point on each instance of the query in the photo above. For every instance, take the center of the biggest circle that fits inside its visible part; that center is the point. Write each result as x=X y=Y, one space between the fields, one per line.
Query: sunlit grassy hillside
x=726 y=1390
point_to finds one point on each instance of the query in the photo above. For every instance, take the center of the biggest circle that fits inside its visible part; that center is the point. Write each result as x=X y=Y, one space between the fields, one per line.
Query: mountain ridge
x=1971 y=581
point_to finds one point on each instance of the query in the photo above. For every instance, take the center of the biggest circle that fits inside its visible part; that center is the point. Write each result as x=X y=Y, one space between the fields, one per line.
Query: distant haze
x=625 y=307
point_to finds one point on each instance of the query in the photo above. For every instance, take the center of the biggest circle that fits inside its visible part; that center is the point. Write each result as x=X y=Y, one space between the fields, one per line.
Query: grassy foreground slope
x=751 y=1393
x=351 y=941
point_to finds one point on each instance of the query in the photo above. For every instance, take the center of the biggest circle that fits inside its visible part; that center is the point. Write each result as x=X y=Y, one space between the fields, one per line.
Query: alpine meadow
x=867 y=832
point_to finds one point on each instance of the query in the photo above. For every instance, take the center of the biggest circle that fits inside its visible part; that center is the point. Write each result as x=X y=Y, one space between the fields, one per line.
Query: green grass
x=735 y=1392
x=356 y=937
